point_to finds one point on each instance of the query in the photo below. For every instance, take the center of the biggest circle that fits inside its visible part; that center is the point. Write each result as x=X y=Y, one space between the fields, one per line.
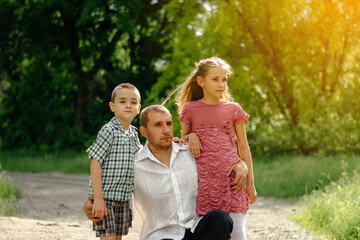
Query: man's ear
x=200 y=80
x=143 y=131
x=111 y=105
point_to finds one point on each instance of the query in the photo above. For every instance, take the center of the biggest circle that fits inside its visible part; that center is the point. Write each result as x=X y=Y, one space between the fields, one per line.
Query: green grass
x=8 y=193
x=284 y=176
x=335 y=211
x=295 y=176
x=32 y=161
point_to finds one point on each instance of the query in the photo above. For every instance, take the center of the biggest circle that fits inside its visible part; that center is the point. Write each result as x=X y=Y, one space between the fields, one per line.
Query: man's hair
x=122 y=86
x=144 y=116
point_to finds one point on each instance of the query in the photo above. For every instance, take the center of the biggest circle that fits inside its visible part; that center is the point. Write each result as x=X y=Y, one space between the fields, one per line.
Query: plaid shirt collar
x=115 y=122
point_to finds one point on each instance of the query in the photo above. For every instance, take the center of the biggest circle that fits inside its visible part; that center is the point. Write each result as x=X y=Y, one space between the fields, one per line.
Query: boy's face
x=126 y=105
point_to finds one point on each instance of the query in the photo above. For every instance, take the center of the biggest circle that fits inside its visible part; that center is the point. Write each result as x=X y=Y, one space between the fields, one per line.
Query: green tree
x=295 y=64
x=59 y=61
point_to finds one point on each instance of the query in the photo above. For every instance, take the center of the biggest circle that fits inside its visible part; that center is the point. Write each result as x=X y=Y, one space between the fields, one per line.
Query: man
x=166 y=185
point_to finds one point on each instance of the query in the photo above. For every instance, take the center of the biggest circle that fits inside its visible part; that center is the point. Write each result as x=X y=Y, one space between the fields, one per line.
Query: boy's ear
x=111 y=105
x=143 y=131
x=139 y=107
x=200 y=80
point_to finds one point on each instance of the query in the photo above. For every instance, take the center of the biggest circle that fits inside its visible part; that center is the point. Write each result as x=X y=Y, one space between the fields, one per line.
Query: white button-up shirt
x=165 y=197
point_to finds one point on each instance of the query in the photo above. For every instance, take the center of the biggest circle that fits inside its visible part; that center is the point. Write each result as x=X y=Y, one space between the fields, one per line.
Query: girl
x=209 y=115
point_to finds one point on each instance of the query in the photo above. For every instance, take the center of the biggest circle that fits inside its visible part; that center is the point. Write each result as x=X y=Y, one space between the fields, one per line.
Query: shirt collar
x=115 y=122
x=145 y=153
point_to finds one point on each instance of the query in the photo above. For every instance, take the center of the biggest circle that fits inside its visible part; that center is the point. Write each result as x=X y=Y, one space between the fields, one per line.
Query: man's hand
x=241 y=171
x=88 y=209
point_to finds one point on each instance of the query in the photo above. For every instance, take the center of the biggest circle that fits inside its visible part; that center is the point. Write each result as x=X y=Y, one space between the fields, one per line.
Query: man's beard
x=164 y=146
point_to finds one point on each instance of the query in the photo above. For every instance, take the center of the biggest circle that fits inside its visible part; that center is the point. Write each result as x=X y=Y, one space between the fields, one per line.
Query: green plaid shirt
x=114 y=149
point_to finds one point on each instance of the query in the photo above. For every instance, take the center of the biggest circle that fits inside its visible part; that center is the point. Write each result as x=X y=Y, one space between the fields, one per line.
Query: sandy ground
x=50 y=207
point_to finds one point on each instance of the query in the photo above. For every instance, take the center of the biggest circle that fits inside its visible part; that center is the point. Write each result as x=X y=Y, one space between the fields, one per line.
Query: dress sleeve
x=100 y=148
x=240 y=114
x=185 y=115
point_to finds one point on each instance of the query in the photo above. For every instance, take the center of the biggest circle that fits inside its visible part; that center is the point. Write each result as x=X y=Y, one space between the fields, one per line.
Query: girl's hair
x=190 y=89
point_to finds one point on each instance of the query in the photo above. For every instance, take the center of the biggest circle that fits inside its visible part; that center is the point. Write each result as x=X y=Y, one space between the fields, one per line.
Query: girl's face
x=214 y=84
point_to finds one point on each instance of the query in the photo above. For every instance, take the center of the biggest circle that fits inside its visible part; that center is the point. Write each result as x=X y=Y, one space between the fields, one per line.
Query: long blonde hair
x=190 y=89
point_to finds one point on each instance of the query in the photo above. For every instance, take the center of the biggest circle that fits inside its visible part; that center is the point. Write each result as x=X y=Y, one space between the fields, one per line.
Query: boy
x=112 y=172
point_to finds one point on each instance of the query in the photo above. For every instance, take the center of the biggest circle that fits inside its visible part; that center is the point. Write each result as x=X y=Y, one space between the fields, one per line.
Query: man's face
x=159 y=130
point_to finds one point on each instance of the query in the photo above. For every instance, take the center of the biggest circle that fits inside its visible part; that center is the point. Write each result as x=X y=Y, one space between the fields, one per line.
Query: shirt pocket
x=135 y=145
x=121 y=144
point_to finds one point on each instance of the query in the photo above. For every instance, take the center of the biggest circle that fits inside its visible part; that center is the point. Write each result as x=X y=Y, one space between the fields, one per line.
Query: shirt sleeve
x=100 y=148
x=185 y=115
x=240 y=114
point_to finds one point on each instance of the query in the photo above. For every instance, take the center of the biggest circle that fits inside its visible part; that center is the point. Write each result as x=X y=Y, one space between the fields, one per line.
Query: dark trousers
x=215 y=225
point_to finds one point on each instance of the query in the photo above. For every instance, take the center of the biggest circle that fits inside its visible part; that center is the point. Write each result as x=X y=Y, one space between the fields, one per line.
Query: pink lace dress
x=215 y=126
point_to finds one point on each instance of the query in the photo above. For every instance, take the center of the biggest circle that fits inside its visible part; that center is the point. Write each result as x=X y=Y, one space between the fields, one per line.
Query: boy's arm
x=99 y=208
x=244 y=151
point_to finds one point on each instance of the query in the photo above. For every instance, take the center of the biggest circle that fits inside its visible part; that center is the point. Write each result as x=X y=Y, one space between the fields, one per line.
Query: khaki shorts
x=117 y=221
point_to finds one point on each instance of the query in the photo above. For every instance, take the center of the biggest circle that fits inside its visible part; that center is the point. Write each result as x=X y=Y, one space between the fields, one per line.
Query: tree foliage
x=60 y=60
x=296 y=66
x=296 y=69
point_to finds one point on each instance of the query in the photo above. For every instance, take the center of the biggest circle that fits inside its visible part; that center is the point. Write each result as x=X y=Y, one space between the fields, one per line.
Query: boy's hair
x=144 y=115
x=122 y=86
x=190 y=89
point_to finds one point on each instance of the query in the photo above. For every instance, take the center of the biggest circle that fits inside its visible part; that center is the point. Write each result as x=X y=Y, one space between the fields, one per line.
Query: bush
x=295 y=176
x=8 y=194
x=335 y=211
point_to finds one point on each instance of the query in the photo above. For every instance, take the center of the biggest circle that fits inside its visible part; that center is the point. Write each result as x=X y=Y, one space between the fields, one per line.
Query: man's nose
x=166 y=129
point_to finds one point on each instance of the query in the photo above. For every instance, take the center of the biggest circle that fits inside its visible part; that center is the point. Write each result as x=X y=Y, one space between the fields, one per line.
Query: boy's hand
x=251 y=193
x=99 y=208
x=241 y=171
x=88 y=209
x=194 y=144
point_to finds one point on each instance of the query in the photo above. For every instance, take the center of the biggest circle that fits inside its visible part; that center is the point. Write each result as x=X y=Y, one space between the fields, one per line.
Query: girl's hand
x=194 y=144
x=180 y=141
x=241 y=171
x=99 y=208
x=251 y=193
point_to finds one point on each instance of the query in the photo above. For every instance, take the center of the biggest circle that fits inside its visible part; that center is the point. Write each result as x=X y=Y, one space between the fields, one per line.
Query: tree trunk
x=82 y=101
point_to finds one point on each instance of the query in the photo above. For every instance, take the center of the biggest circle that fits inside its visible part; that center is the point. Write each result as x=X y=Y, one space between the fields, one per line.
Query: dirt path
x=50 y=207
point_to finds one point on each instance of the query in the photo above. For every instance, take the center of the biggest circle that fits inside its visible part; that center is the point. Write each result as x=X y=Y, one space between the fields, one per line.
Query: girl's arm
x=194 y=141
x=99 y=209
x=244 y=151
